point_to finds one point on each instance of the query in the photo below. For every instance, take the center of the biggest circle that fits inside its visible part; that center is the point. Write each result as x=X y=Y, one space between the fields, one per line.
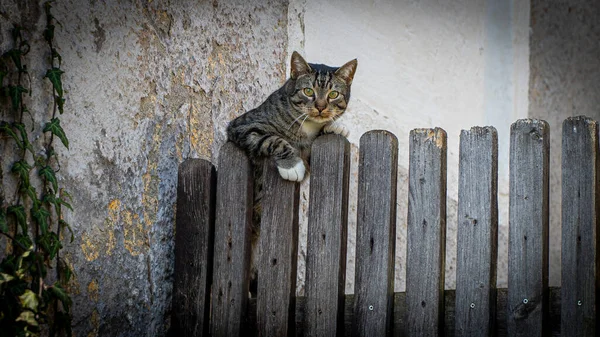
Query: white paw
x=295 y=173
x=337 y=128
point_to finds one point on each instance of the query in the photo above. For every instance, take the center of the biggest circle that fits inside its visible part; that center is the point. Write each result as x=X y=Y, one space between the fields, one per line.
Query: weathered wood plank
x=528 y=227
x=580 y=227
x=400 y=313
x=193 y=247
x=426 y=239
x=278 y=245
x=376 y=234
x=232 y=241
x=477 y=239
x=327 y=236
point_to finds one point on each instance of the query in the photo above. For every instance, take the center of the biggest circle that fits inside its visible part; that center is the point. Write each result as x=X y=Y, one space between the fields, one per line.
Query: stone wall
x=148 y=84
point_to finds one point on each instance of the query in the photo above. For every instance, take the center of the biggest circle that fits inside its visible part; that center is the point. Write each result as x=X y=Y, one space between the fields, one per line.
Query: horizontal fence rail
x=213 y=234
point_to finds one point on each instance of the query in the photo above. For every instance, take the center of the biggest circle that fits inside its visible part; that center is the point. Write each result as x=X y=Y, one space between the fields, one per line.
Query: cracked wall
x=148 y=84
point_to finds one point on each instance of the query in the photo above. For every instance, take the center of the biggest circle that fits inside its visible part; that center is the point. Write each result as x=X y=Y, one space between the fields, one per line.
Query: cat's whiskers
x=295 y=120
x=300 y=127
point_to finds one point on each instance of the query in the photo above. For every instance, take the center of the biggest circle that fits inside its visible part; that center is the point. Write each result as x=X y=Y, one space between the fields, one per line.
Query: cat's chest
x=311 y=129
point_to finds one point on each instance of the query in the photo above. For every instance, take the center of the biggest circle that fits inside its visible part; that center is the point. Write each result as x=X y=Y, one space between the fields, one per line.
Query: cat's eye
x=309 y=92
x=333 y=94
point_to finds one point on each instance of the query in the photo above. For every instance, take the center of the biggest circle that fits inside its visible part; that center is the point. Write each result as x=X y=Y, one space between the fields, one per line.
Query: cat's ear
x=346 y=72
x=298 y=66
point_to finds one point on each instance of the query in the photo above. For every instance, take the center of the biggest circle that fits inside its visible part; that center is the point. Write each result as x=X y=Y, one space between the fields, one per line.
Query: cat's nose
x=320 y=106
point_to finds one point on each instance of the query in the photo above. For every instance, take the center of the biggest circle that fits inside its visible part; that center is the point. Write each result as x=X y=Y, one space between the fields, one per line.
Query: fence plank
x=278 y=245
x=528 y=227
x=426 y=237
x=376 y=234
x=400 y=324
x=232 y=241
x=580 y=226
x=193 y=247
x=327 y=235
x=477 y=240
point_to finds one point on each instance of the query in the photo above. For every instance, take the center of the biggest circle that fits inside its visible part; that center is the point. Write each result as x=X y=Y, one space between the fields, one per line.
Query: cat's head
x=322 y=92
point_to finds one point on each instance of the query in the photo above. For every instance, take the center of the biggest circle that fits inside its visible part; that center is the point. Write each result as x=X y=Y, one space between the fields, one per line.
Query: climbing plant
x=33 y=276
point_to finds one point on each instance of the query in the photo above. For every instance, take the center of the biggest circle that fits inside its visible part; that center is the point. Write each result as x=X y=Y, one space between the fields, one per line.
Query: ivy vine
x=33 y=276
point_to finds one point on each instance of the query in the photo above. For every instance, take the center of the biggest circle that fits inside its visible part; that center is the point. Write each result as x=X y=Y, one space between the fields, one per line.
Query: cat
x=285 y=125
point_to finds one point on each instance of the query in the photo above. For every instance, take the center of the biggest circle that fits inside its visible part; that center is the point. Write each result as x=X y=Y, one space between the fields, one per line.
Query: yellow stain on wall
x=89 y=247
x=136 y=238
x=93 y=291
x=95 y=322
x=113 y=218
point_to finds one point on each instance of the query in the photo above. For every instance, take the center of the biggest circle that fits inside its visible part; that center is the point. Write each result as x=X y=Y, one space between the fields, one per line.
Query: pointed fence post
x=426 y=233
x=193 y=247
x=528 y=228
x=580 y=228
x=477 y=241
x=327 y=236
x=232 y=242
x=376 y=234
x=278 y=244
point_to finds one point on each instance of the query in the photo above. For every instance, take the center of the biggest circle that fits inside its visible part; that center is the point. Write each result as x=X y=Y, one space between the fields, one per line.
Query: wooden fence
x=213 y=233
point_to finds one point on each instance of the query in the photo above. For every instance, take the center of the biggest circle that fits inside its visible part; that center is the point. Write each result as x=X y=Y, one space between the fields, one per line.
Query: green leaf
x=27 y=317
x=24 y=240
x=61 y=294
x=22 y=168
x=19 y=213
x=64 y=203
x=60 y=102
x=7 y=128
x=5 y=278
x=50 y=244
x=54 y=127
x=54 y=76
x=16 y=92
x=29 y=300
x=48 y=173
x=15 y=56
x=3 y=223
x=64 y=224
x=25 y=144
x=2 y=75
x=40 y=216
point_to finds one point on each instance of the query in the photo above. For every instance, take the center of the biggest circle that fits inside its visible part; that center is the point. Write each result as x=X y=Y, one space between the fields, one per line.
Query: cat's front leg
x=336 y=128
x=287 y=158
x=291 y=169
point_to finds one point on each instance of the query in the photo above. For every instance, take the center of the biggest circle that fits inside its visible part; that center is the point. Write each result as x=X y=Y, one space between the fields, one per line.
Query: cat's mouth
x=322 y=117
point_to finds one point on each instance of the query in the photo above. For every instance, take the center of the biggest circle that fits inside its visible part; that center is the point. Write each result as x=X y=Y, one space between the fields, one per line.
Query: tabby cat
x=285 y=125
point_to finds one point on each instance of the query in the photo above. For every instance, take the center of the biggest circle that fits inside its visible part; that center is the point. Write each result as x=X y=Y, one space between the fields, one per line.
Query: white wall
x=423 y=64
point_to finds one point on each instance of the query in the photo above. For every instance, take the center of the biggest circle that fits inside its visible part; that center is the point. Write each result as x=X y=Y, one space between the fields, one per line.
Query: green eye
x=333 y=94
x=309 y=92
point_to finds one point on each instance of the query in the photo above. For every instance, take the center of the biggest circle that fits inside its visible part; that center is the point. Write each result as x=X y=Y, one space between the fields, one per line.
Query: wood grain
x=426 y=238
x=278 y=245
x=400 y=324
x=327 y=236
x=193 y=247
x=376 y=234
x=232 y=241
x=580 y=227
x=477 y=238
x=528 y=227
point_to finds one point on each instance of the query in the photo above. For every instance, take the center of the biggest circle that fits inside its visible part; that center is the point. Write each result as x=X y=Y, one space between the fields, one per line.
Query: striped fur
x=285 y=125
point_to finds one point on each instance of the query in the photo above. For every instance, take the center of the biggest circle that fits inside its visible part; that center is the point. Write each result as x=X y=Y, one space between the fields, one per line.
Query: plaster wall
x=148 y=84
x=425 y=64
